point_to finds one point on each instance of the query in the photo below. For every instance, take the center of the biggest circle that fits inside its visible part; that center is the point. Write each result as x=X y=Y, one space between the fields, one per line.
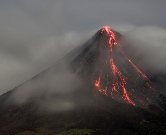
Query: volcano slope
x=107 y=91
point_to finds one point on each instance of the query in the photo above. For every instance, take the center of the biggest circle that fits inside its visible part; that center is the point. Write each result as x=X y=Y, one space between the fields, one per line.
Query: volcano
x=107 y=64
x=115 y=92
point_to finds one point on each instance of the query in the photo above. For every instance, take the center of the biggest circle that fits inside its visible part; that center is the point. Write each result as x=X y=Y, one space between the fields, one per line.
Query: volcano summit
x=109 y=90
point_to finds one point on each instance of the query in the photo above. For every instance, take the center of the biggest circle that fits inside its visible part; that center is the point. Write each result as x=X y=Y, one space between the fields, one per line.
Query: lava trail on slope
x=105 y=64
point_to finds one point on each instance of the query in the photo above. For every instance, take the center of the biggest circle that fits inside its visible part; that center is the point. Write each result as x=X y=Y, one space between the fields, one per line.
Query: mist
x=149 y=42
x=63 y=71
x=37 y=34
x=23 y=58
x=48 y=90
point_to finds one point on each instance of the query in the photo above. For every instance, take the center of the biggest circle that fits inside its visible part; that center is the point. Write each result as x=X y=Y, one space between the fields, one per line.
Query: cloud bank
x=150 y=43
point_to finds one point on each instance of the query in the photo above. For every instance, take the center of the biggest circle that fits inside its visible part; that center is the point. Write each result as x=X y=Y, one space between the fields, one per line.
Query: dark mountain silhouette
x=114 y=95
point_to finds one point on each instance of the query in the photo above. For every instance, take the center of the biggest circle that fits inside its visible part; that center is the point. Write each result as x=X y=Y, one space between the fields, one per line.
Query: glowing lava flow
x=140 y=72
x=112 y=40
x=137 y=69
x=118 y=75
x=119 y=80
x=97 y=84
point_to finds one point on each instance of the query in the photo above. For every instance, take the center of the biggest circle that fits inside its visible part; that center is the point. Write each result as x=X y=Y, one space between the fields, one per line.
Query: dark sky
x=36 y=33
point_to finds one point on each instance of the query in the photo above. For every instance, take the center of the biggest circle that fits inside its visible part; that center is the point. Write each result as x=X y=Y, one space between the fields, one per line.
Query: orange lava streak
x=118 y=74
x=120 y=81
x=135 y=67
x=112 y=39
x=114 y=87
x=97 y=84
x=138 y=70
